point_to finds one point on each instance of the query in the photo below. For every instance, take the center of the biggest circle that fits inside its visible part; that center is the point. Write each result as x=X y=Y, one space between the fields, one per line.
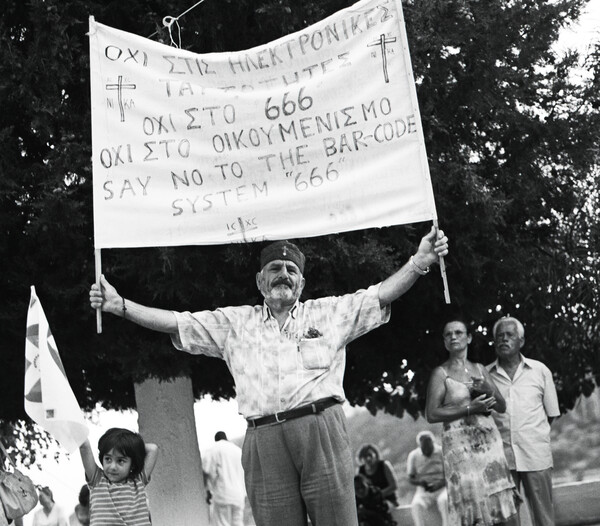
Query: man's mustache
x=282 y=281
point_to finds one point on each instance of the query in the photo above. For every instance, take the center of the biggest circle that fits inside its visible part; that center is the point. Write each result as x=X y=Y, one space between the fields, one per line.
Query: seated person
x=379 y=472
x=370 y=505
x=425 y=468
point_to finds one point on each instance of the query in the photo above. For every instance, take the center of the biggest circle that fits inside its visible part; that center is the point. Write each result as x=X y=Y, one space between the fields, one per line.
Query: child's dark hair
x=127 y=443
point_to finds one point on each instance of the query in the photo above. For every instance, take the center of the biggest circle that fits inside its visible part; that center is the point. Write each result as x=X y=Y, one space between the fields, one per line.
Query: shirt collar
x=267 y=314
x=524 y=360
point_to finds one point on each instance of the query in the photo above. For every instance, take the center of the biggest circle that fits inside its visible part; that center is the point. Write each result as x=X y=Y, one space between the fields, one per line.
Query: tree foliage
x=511 y=138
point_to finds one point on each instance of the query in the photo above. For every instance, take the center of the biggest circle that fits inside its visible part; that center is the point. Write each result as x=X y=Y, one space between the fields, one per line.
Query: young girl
x=118 y=490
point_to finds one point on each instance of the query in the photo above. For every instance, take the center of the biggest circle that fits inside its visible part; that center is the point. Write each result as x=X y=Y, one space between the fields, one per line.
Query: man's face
x=280 y=280
x=45 y=499
x=426 y=445
x=507 y=342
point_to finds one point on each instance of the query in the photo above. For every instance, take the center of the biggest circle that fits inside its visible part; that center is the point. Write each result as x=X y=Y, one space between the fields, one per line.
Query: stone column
x=166 y=417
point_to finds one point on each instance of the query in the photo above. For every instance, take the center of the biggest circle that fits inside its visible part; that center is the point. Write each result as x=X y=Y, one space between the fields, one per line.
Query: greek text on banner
x=315 y=133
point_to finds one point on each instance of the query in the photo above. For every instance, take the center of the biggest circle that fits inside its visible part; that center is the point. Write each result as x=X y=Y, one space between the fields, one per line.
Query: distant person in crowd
x=224 y=478
x=81 y=514
x=379 y=472
x=50 y=513
x=460 y=395
x=372 y=509
x=118 y=488
x=425 y=467
x=287 y=359
x=532 y=404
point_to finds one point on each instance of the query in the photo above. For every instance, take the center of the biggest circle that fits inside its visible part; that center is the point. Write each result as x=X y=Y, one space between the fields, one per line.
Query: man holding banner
x=287 y=360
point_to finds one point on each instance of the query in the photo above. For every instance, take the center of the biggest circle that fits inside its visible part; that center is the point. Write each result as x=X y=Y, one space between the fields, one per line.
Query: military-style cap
x=282 y=250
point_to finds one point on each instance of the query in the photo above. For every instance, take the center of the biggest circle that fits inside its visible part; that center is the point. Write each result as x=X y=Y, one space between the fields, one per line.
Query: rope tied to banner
x=168 y=22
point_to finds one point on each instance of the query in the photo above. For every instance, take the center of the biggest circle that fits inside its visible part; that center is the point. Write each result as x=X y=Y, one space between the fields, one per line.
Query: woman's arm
x=390 y=477
x=436 y=391
x=492 y=390
x=151 y=456
x=437 y=412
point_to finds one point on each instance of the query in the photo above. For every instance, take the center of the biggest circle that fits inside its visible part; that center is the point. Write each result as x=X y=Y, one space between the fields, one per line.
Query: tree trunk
x=166 y=417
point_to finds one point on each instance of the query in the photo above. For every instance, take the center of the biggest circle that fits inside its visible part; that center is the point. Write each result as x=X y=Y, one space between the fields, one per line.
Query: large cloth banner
x=318 y=132
x=49 y=400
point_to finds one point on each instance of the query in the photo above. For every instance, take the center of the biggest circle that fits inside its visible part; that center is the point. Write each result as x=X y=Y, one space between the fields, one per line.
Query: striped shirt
x=118 y=504
x=278 y=369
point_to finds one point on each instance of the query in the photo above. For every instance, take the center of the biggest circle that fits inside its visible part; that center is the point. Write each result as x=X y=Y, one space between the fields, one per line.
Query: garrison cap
x=282 y=250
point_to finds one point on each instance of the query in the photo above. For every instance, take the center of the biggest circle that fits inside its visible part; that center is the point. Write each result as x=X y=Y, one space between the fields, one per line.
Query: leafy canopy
x=511 y=139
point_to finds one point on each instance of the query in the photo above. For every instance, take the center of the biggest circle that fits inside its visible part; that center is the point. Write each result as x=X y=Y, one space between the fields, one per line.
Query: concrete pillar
x=166 y=417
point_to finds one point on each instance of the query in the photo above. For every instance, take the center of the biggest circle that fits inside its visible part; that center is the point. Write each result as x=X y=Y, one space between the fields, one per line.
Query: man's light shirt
x=275 y=370
x=530 y=399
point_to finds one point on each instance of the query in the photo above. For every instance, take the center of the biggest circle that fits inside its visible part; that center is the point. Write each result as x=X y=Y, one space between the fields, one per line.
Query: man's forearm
x=149 y=317
x=397 y=284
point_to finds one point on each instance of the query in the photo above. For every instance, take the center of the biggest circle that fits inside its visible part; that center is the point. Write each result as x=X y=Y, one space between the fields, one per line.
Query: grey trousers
x=299 y=467
x=538 y=490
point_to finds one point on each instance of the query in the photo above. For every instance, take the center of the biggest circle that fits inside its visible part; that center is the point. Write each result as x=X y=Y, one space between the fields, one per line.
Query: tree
x=508 y=135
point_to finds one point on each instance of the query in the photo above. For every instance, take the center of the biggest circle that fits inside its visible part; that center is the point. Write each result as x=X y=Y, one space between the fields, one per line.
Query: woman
x=461 y=394
x=50 y=514
x=379 y=472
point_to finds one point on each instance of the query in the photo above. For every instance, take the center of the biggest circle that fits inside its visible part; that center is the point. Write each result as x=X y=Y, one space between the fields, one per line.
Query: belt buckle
x=278 y=420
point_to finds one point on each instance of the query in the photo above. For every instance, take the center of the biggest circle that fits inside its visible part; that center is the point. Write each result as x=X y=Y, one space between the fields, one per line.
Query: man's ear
x=258 y=279
x=521 y=342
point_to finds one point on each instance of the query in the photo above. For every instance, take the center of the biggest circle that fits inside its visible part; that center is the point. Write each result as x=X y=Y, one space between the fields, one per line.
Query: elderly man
x=531 y=405
x=287 y=360
x=425 y=467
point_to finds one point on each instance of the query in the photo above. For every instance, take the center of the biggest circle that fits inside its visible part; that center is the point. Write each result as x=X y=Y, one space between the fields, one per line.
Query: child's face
x=116 y=466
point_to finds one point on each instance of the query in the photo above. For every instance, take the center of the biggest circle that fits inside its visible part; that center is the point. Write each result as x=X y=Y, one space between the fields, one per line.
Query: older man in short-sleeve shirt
x=531 y=404
x=287 y=359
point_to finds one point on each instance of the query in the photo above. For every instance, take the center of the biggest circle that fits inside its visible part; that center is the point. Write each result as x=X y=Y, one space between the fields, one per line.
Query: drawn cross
x=119 y=86
x=381 y=43
x=244 y=224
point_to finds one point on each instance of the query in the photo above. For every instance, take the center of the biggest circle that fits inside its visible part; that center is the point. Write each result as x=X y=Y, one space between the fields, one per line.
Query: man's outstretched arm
x=108 y=299
x=431 y=247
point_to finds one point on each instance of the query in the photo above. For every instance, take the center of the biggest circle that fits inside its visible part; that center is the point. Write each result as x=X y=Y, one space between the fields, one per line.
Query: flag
x=49 y=400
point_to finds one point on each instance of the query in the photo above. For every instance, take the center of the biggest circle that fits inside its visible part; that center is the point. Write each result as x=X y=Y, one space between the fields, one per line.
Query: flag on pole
x=49 y=400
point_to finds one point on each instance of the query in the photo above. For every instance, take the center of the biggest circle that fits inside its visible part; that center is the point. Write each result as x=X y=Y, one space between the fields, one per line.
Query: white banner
x=49 y=400
x=315 y=133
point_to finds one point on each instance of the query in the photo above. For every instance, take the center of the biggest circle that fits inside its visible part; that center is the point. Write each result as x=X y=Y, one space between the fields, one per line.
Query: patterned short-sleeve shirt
x=118 y=504
x=278 y=369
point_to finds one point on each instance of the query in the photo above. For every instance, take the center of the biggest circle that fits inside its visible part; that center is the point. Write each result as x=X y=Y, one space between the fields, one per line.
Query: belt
x=282 y=416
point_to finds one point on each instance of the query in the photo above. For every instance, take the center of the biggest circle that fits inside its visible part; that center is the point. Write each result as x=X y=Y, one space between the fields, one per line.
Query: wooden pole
x=98 y=274
x=443 y=270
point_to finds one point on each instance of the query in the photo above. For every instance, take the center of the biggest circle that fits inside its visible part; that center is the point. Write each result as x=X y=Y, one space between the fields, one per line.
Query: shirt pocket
x=314 y=353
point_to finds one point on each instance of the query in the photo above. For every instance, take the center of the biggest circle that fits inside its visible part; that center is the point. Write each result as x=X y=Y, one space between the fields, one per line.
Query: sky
x=66 y=477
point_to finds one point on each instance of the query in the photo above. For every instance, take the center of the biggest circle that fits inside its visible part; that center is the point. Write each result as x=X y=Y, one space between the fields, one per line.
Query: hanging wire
x=168 y=22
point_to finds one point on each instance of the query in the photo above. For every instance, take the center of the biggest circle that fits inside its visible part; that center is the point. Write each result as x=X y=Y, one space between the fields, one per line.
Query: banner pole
x=443 y=269
x=98 y=273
